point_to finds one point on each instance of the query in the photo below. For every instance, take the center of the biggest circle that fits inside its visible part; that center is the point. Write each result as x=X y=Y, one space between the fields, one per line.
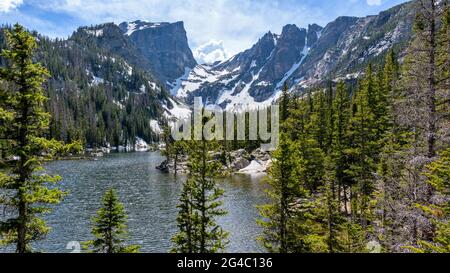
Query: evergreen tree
x=109 y=228
x=361 y=151
x=178 y=149
x=185 y=240
x=423 y=75
x=284 y=228
x=326 y=216
x=341 y=111
x=24 y=123
x=199 y=202
x=321 y=120
x=392 y=160
x=285 y=101
x=438 y=174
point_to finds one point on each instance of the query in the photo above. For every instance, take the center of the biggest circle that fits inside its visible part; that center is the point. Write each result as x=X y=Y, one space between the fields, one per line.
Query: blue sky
x=229 y=26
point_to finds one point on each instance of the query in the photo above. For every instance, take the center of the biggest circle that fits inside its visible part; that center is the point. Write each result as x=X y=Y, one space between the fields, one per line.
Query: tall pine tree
x=24 y=122
x=199 y=201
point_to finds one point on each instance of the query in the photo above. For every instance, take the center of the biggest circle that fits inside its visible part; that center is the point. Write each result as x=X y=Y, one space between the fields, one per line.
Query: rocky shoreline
x=240 y=161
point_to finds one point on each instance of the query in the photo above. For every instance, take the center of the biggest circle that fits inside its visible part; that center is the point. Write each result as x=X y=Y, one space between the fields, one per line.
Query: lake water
x=150 y=198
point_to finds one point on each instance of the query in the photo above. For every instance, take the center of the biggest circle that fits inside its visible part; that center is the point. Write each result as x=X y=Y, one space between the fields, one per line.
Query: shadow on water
x=150 y=198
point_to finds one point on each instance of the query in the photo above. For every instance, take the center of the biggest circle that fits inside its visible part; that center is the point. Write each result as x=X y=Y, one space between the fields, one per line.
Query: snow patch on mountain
x=178 y=111
x=176 y=86
x=242 y=97
x=193 y=79
x=97 y=81
x=154 y=125
x=243 y=101
x=131 y=27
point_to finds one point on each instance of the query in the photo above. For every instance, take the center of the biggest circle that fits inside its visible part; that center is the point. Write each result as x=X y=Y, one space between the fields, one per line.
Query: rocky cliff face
x=163 y=45
x=253 y=75
x=300 y=57
x=348 y=44
x=108 y=58
x=110 y=38
x=160 y=48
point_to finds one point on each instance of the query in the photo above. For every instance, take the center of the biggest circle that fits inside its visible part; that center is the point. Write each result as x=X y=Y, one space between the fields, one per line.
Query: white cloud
x=211 y=52
x=238 y=23
x=374 y=2
x=8 y=5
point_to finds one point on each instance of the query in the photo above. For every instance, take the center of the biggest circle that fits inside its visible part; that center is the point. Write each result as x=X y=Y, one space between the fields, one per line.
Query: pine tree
x=275 y=229
x=199 y=202
x=438 y=174
x=284 y=228
x=178 y=149
x=417 y=135
x=320 y=118
x=285 y=101
x=423 y=75
x=341 y=111
x=109 y=228
x=361 y=152
x=24 y=123
x=185 y=240
x=330 y=115
x=392 y=160
x=327 y=215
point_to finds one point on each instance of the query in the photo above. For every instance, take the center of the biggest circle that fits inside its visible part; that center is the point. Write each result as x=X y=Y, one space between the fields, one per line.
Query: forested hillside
x=96 y=96
x=361 y=165
x=367 y=167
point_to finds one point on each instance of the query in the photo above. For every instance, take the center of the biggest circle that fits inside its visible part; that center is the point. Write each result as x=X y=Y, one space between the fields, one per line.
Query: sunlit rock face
x=164 y=45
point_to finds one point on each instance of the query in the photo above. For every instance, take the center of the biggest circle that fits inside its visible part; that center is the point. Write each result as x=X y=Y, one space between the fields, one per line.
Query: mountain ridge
x=301 y=57
x=125 y=71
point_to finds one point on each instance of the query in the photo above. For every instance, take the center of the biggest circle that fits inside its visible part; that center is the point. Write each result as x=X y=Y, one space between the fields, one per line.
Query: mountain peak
x=163 y=44
x=314 y=33
x=130 y=27
x=289 y=28
x=301 y=57
x=314 y=27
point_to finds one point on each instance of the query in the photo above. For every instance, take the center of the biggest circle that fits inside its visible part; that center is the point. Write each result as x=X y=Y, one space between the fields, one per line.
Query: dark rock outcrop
x=314 y=33
x=163 y=45
x=159 y=48
x=163 y=167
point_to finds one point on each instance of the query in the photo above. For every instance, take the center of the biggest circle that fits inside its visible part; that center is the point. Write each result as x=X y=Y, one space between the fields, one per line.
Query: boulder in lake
x=163 y=167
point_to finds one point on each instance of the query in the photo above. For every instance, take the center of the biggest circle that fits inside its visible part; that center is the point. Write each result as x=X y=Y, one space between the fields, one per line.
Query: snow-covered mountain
x=159 y=48
x=301 y=57
x=253 y=75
